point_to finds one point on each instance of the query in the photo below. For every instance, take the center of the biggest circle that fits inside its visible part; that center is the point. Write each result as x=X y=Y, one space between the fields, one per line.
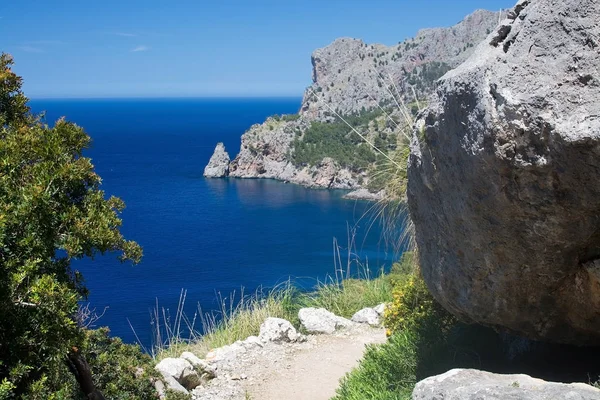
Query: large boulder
x=218 y=165
x=470 y=384
x=319 y=320
x=504 y=177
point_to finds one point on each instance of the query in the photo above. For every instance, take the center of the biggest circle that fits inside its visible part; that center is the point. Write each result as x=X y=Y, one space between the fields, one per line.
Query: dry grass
x=238 y=317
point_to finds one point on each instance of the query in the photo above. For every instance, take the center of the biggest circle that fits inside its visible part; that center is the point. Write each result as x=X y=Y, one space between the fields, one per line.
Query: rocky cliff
x=504 y=186
x=353 y=78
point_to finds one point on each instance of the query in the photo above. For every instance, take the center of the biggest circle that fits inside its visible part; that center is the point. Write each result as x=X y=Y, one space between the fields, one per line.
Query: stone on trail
x=178 y=373
x=277 y=330
x=319 y=320
x=367 y=316
x=207 y=371
x=471 y=384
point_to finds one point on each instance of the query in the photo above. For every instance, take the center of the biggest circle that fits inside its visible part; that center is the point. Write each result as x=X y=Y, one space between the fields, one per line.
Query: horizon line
x=133 y=97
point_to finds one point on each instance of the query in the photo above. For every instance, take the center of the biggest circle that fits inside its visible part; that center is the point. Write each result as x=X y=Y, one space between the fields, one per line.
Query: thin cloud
x=140 y=48
x=31 y=49
x=125 y=34
x=44 y=42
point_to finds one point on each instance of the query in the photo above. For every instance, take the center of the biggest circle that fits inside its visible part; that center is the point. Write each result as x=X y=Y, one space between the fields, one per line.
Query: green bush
x=121 y=371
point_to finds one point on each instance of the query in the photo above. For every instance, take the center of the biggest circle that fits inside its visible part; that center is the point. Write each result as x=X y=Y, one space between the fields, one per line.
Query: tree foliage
x=52 y=211
x=337 y=141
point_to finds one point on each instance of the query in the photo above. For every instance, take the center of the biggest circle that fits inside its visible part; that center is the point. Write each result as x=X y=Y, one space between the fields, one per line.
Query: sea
x=210 y=238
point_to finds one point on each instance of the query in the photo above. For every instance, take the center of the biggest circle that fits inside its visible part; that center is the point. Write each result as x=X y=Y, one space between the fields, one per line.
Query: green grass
x=241 y=315
x=387 y=371
x=350 y=295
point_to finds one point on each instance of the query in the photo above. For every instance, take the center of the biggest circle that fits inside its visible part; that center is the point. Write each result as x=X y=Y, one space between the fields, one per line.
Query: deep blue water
x=205 y=236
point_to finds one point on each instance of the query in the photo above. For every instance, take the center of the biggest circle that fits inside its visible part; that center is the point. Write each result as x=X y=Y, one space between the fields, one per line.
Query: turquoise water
x=205 y=236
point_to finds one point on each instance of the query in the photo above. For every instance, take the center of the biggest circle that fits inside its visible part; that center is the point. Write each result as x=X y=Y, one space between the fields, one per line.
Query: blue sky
x=151 y=48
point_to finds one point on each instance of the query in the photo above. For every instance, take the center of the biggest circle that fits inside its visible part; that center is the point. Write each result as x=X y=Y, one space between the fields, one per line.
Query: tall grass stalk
x=391 y=210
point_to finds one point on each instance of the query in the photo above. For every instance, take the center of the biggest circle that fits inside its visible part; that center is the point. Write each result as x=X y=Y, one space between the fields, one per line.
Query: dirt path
x=313 y=373
x=307 y=369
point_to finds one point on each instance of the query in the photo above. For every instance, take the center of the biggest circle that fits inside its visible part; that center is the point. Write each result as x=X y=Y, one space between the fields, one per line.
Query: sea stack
x=218 y=165
x=504 y=177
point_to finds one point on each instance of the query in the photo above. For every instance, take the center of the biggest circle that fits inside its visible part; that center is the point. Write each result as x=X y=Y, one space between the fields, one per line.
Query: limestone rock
x=218 y=165
x=172 y=384
x=205 y=370
x=503 y=179
x=380 y=309
x=174 y=367
x=226 y=354
x=277 y=330
x=180 y=371
x=253 y=341
x=465 y=384
x=367 y=316
x=319 y=320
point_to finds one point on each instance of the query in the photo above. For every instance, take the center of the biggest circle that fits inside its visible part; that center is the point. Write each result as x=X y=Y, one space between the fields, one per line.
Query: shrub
x=120 y=371
x=412 y=306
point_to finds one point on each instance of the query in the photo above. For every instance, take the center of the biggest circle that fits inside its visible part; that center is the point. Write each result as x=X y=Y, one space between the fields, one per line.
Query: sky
x=200 y=48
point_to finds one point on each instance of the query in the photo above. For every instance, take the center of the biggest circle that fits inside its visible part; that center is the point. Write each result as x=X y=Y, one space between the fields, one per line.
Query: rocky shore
x=351 y=77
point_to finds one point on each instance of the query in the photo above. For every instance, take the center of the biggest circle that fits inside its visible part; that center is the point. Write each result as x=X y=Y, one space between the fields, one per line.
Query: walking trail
x=307 y=370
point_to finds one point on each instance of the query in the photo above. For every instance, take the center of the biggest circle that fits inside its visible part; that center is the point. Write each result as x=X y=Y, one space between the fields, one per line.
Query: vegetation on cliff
x=338 y=141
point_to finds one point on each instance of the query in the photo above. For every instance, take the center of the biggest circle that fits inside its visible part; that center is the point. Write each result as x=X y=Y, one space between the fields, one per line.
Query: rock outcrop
x=351 y=76
x=504 y=187
x=218 y=165
x=466 y=384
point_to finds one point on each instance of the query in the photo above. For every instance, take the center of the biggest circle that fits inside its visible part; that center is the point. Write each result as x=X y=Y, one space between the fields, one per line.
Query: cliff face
x=350 y=78
x=504 y=190
x=350 y=74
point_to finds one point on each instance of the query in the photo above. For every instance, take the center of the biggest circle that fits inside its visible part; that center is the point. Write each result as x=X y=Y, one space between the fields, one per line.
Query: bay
x=207 y=236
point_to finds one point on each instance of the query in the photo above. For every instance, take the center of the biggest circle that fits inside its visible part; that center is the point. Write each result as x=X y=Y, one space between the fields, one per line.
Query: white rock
x=252 y=341
x=367 y=316
x=174 y=367
x=206 y=370
x=173 y=384
x=181 y=371
x=218 y=165
x=459 y=384
x=277 y=330
x=380 y=309
x=319 y=320
x=226 y=353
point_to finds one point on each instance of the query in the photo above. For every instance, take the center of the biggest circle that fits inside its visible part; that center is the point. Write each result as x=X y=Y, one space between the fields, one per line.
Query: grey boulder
x=503 y=178
x=367 y=316
x=319 y=320
x=469 y=384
